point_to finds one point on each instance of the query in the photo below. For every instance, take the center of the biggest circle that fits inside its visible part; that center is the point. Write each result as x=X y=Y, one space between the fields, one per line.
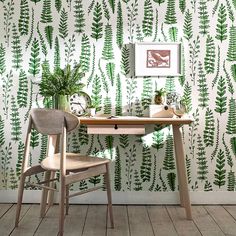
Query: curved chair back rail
x=49 y=121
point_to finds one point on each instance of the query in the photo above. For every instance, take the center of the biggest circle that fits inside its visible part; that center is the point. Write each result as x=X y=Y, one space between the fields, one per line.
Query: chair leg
x=61 y=207
x=108 y=187
x=20 y=197
x=67 y=199
x=44 y=196
x=51 y=192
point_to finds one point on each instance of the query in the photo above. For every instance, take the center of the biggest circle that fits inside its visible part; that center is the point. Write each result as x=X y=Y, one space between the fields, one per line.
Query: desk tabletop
x=134 y=120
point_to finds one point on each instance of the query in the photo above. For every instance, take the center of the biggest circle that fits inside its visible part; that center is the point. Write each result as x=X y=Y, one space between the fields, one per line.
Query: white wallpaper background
x=99 y=34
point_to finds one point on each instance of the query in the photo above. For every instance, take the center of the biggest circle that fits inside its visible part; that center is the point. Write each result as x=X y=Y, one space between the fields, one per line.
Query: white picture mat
x=141 y=59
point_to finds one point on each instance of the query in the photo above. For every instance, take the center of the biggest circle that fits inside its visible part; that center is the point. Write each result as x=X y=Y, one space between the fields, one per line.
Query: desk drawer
x=116 y=129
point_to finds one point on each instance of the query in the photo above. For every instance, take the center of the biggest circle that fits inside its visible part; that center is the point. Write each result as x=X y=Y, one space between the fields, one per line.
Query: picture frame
x=158 y=59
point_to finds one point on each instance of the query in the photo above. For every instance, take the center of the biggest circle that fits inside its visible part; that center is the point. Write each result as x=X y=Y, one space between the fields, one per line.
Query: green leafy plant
x=61 y=81
x=160 y=92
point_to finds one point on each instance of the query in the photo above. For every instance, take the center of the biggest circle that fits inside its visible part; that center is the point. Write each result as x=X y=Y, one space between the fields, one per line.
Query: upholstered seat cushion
x=73 y=161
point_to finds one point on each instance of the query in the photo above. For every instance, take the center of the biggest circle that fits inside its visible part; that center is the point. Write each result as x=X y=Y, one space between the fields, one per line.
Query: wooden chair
x=72 y=167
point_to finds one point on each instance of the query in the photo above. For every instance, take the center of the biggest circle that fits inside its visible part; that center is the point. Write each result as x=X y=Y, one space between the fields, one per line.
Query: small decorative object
x=172 y=98
x=79 y=103
x=179 y=108
x=159 y=96
x=61 y=84
x=157 y=59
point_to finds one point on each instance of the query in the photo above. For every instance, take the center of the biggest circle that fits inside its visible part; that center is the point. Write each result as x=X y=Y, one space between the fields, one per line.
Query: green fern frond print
x=188 y=31
x=97 y=22
x=203 y=17
x=2 y=59
x=221 y=99
x=170 y=17
x=63 y=27
x=23 y=22
x=79 y=17
x=15 y=121
x=58 y=4
x=22 y=93
x=34 y=65
x=220 y=170
x=119 y=26
x=231 y=54
x=16 y=49
x=147 y=23
x=107 y=51
x=221 y=27
x=85 y=53
x=46 y=15
x=209 y=60
x=231 y=123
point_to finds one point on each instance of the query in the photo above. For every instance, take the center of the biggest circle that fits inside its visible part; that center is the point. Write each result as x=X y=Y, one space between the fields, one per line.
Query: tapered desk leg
x=181 y=169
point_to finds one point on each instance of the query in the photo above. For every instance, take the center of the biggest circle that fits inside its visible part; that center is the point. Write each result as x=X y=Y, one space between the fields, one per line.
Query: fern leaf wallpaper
x=100 y=35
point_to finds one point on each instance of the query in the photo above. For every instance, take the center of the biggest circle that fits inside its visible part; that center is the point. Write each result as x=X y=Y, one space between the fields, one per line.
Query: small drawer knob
x=116 y=127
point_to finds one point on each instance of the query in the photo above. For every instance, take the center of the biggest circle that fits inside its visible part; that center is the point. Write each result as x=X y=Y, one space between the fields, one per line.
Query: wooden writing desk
x=131 y=125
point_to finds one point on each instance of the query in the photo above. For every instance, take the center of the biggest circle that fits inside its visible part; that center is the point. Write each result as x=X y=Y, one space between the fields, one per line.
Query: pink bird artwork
x=158 y=58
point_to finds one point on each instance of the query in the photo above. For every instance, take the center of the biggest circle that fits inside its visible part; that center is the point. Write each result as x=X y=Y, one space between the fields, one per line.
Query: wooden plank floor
x=131 y=220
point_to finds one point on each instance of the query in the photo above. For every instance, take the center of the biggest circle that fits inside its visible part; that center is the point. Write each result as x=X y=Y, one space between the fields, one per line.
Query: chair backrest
x=51 y=121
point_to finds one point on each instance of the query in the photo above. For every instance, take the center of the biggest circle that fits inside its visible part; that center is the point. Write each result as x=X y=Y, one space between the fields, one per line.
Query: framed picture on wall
x=157 y=59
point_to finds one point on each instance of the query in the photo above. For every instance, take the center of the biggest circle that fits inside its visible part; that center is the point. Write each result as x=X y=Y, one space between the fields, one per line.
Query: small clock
x=79 y=103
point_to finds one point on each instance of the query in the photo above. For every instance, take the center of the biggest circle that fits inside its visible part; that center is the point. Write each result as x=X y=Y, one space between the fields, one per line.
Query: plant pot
x=92 y=111
x=159 y=100
x=62 y=102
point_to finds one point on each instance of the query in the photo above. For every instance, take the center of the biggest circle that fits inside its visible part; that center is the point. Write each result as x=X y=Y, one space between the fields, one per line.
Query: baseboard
x=99 y=197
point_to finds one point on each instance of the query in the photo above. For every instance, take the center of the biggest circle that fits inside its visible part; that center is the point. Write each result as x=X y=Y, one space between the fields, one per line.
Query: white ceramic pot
x=92 y=111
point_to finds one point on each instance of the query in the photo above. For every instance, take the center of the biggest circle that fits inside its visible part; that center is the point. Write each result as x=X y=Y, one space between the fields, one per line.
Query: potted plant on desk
x=159 y=96
x=60 y=85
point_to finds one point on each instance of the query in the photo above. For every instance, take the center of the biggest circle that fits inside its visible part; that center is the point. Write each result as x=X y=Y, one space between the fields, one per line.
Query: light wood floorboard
x=29 y=222
x=183 y=227
x=7 y=222
x=225 y=221
x=161 y=221
x=121 y=222
x=132 y=220
x=4 y=208
x=139 y=221
x=96 y=221
x=205 y=222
